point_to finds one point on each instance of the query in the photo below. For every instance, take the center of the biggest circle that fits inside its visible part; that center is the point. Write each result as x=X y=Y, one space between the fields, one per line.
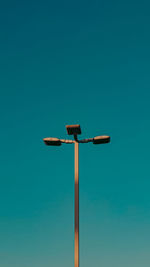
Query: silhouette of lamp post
x=75 y=130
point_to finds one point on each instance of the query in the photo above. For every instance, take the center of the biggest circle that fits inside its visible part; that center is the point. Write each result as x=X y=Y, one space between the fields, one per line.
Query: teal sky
x=68 y=62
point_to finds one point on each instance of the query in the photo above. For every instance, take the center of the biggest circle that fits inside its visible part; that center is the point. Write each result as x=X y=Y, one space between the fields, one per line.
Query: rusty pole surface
x=76 y=240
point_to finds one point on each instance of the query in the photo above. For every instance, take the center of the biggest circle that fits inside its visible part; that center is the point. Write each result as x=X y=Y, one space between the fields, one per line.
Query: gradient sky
x=68 y=62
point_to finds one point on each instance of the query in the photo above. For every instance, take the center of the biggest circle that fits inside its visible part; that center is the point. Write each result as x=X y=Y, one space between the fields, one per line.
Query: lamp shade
x=101 y=139
x=50 y=141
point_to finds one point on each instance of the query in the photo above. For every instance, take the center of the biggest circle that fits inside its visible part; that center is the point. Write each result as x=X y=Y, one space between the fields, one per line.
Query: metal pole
x=76 y=240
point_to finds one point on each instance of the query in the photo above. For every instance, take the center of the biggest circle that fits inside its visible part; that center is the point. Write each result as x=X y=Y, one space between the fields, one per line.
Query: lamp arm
x=67 y=141
x=86 y=140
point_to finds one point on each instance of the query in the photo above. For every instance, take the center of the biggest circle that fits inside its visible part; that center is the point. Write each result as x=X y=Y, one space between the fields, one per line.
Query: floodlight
x=73 y=129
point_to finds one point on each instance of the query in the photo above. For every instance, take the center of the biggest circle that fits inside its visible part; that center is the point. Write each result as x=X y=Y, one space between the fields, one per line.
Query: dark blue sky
x=65 y=62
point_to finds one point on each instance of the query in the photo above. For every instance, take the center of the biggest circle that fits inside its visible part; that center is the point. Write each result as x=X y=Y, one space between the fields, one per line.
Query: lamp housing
x=51 y=141
x=101 y=140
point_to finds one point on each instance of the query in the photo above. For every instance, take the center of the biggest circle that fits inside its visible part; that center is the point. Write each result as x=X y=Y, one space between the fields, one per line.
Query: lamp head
x=50 y=141
x=101 y=139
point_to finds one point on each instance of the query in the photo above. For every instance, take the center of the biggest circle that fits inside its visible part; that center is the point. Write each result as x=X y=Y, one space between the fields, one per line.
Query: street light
x=75 y=130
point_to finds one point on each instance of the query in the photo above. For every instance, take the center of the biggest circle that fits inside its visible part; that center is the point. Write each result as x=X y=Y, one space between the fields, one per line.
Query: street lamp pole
x=75 y=130
x=76 y=230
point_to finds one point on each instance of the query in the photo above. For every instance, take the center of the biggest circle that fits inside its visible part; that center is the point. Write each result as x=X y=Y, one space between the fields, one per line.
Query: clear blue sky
x=67 y=62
